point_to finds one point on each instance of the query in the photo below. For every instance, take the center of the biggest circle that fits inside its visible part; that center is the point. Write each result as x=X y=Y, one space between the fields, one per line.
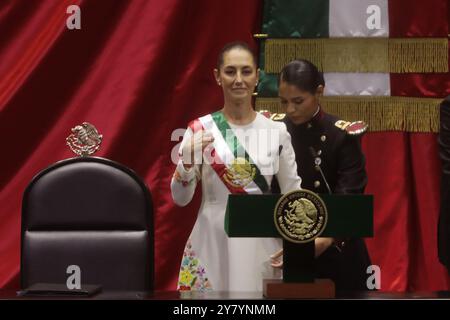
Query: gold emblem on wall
x=300 y=216
x=84 y=140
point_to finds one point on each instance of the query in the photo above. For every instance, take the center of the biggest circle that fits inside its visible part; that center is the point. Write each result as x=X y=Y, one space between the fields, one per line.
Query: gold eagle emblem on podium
x=300 y=216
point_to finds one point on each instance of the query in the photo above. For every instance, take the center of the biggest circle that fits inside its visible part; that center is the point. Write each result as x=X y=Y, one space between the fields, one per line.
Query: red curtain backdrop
x=138 y=69
x=404 y=169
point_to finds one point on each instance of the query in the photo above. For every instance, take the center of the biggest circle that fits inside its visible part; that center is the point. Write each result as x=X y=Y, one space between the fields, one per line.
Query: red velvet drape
x=404 y=168
x=138 y=69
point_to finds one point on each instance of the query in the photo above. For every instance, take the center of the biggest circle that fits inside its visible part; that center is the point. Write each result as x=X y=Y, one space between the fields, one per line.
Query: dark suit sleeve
x=351 y=172
x=444 y=216
x=444 y=136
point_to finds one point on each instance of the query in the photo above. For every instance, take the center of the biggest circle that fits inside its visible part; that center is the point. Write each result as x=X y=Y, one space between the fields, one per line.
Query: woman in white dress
x=234 y=150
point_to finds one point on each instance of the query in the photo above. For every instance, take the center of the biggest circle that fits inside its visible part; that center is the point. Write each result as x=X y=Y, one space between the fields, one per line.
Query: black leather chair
x=93 y=213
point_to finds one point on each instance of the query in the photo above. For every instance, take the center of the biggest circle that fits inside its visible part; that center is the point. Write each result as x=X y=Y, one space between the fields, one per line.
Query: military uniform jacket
x=338 y=154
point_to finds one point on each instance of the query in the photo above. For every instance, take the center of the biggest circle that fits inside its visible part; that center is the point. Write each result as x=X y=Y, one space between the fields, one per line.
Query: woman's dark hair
x=303 y=74
x=234 y=45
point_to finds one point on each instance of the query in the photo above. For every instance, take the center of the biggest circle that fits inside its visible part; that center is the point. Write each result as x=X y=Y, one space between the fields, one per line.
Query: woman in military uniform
x=329 y=160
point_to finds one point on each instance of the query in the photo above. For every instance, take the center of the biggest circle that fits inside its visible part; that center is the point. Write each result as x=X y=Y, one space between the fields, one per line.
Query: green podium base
x=319 y=289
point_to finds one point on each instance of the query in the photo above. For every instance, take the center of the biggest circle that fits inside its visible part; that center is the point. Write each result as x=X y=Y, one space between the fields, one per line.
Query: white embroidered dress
x=211 y=260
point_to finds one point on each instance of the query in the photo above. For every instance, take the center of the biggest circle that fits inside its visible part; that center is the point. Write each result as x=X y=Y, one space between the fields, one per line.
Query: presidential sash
x=230 y=160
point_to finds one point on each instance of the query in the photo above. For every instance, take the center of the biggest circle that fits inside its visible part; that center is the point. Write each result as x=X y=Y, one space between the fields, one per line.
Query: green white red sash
x=227 y=149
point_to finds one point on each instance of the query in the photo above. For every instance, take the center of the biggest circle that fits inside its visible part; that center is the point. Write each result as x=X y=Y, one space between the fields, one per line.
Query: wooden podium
x=253 y=216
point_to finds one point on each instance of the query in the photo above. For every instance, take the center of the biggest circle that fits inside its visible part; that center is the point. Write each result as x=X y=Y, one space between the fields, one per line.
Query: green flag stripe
x=298 y=19
x=285 y=19
x=236 y=148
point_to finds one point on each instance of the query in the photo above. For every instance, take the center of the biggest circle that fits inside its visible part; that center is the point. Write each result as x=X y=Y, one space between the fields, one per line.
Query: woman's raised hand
x=193 y=149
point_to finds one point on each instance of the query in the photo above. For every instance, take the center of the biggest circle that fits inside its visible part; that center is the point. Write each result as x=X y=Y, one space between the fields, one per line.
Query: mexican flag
x=372 y=53
x=385 y=62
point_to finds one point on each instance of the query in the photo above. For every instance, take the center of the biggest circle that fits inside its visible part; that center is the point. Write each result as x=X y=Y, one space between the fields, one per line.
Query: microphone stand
x=317 y=162
x=338 y=244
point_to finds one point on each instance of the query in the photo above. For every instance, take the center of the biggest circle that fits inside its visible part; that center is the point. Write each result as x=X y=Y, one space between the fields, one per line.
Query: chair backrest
x=91 y=213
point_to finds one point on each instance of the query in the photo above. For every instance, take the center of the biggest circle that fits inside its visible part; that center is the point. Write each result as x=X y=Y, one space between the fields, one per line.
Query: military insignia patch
x=355 y=128
x=277 y=116
x=300 y=216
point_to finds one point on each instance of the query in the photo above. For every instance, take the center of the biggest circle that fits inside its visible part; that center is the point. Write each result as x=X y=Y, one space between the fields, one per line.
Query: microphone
x=317 y=162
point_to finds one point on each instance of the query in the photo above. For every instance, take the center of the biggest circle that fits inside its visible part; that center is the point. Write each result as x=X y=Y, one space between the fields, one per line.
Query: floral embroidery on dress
x=192 y=273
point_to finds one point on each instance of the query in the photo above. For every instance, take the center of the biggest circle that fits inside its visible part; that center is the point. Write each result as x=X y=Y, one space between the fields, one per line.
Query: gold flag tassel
x=379 y=112
x=360 y=54
x=418 y=55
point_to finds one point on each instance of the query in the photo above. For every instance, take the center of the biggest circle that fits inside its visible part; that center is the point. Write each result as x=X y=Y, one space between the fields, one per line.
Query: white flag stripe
x=223 y=150
x=358 y=18
x=356 y=84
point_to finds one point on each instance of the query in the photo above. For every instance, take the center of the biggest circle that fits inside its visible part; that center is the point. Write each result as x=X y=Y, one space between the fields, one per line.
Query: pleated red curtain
x=404 y=168
x=137 y=70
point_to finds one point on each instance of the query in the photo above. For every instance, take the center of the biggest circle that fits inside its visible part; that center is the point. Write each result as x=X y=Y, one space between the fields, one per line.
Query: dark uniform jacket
x=321 y=141
x=338 y=154
x=444 y=216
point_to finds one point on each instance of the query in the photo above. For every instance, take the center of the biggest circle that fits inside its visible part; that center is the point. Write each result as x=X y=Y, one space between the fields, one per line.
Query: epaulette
x=355 y=128
x=277 y=116
x=272 y=116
